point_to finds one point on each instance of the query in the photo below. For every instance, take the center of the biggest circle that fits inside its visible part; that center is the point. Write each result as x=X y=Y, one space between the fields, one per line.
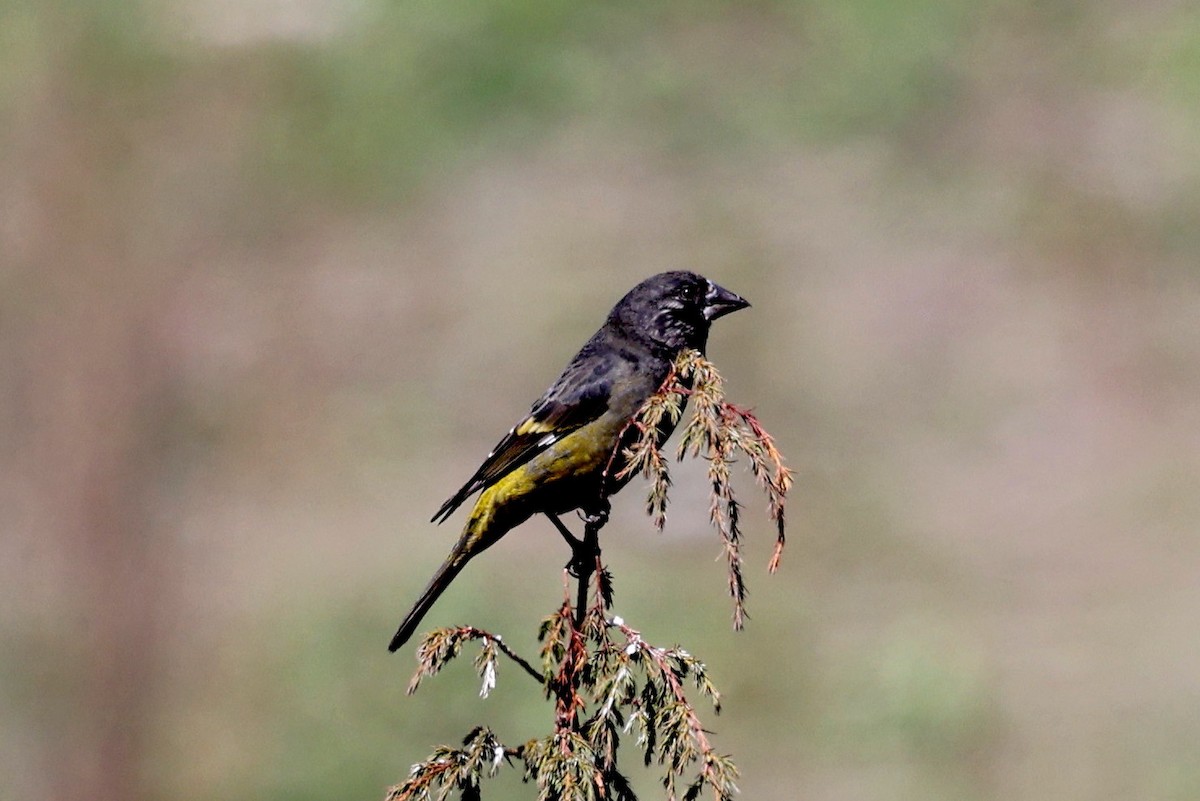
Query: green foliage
x=417 y=86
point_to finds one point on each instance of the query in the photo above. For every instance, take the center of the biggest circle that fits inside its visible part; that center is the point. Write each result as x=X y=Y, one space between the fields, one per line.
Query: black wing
x=578 y=397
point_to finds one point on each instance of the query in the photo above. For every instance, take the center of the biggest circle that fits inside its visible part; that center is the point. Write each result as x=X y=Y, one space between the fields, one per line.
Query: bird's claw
x=596 y=518
x=578 y=565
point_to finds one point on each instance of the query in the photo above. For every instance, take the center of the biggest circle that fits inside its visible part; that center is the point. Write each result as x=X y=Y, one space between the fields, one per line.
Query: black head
x=673 y=311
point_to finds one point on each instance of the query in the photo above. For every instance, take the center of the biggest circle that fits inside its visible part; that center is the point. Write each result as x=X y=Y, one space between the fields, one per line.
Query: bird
x=565 y=454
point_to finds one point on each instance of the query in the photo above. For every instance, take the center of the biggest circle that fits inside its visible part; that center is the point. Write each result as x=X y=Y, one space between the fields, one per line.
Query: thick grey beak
x=719 y=301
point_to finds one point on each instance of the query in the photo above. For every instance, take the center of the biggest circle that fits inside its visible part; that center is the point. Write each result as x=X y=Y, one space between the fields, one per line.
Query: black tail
x=437 y=585
x=484 y=528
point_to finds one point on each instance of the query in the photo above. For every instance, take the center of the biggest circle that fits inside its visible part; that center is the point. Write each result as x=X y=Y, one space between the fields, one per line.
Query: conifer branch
x=442 y=645
x=604 y=679
x=450 y=769
x=716 y=431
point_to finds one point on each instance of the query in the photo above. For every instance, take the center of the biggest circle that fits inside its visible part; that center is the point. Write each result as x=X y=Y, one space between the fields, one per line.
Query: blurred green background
x=276 y=275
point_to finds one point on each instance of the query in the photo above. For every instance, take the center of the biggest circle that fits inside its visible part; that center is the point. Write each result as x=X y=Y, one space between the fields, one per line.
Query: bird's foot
x=595 y=518
x=580 y=564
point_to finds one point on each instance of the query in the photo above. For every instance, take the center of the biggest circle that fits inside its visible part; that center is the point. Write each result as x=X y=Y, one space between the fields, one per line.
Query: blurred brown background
x=277 y=274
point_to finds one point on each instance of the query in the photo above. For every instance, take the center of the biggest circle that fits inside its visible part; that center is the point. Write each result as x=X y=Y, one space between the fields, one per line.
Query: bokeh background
x=276 y=274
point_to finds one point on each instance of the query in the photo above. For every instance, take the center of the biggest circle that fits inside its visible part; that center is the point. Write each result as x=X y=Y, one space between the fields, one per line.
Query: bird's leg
x=581 y=553
x=585 y=550
x=587 y=558
x=571 y=539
